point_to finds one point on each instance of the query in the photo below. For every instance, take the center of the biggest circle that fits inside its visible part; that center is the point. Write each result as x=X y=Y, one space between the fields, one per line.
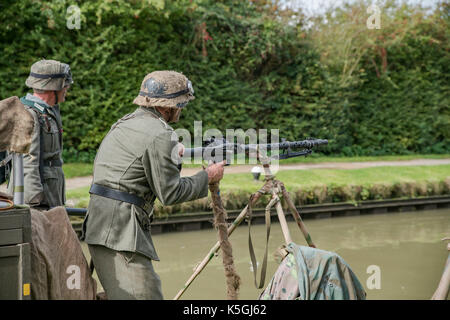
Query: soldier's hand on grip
x=181 y=149
x=215 y=172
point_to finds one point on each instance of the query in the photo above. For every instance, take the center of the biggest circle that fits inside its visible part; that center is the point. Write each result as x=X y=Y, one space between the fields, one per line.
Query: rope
x=220 y=223
x=11 y=204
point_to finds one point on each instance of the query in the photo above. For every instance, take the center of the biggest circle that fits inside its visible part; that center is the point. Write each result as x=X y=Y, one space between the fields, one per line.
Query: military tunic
x=44 y=183
x=136 y=157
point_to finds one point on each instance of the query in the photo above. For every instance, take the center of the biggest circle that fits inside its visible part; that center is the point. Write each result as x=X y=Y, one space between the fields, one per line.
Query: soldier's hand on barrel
x=215 y=172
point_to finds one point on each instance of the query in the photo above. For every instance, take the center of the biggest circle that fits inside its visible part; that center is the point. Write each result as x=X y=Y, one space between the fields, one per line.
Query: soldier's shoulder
x=10 y=100
x=35 y=113
x=14 y=102
x=151 y=122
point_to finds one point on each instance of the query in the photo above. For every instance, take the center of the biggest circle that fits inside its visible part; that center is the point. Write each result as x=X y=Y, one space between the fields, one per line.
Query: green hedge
x=249 y=70
x=317 y=195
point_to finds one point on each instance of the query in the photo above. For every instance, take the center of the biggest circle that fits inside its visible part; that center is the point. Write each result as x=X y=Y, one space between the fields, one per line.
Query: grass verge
x=72 y=170
x=317 y=186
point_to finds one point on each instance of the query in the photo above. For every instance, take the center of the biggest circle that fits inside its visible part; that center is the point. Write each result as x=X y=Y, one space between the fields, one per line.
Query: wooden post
x=444 y=285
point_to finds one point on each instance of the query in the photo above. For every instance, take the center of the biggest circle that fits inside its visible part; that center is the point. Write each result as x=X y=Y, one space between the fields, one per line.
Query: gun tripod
x=271 y=187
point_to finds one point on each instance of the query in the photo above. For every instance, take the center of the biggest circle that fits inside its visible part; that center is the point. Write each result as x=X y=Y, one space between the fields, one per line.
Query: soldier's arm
x=34 y=192
x=163 y=174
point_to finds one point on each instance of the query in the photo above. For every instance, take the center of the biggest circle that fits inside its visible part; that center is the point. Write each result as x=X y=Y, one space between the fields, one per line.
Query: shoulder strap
x=5 y=166
x=143 y=111
x=41 y=111
x=43 y=114
x=250 y=244
x=5 y=158
x=124 y=118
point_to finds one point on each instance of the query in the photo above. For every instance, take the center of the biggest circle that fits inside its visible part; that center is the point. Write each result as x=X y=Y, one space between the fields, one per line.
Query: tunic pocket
x=52 y=188
x=50 y=136
x=142 y=217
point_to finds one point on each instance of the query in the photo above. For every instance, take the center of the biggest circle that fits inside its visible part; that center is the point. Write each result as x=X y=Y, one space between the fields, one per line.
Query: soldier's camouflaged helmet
x=165 y=89
x=49 y=75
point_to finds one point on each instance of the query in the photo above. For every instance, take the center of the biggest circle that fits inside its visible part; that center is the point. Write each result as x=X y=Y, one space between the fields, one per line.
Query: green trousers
x=126 y=275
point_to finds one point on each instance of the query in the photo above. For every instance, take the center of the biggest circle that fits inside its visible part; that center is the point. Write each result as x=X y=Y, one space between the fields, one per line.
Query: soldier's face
x=171 y=115
x=175 y=114
x=62 y=94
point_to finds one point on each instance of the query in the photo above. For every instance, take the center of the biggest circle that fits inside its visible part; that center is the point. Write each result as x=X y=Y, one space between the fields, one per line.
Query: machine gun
x=217 y=150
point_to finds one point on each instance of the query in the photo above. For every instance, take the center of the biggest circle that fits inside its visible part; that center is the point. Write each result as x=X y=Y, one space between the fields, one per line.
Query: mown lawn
x=294 y=179
x=299 y=179
x=72 y=170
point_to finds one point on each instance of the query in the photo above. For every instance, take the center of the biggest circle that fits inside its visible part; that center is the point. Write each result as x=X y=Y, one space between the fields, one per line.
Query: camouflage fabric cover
x=16 y=126
x=164 y=83
x=56 y=259
x=313 y=274
x=49 y=75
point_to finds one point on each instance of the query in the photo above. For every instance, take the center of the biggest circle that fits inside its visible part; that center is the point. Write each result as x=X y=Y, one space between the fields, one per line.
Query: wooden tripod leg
x=444 y=284
x=216 y=248
x=211 y=254
x=282 y=219
x=296 y=215
x=280 y=213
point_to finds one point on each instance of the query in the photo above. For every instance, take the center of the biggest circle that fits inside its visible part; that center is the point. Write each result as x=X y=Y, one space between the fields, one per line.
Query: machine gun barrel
x=285 y=145
x=220 y=148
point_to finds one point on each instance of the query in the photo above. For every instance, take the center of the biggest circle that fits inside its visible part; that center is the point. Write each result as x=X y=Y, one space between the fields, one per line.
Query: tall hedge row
x=250 y=69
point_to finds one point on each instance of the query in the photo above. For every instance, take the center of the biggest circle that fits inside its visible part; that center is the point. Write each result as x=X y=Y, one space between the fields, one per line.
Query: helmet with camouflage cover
x=165 y=89
x=49 y=75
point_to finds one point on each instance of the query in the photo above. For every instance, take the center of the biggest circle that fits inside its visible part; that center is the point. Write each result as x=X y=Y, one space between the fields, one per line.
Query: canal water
x=406 y=247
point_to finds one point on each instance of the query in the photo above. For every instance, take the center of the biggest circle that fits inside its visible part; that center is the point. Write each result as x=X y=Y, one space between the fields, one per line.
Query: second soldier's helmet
x=165 y=89
x=49 y=75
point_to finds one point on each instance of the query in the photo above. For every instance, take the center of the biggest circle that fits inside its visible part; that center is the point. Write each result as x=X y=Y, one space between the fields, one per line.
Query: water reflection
x=406 y=247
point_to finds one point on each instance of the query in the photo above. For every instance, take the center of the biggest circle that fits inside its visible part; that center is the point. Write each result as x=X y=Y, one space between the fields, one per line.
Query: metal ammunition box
x=15 y=267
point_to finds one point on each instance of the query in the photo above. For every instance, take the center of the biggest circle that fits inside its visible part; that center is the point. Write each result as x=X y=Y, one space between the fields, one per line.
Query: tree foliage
x=369 y=92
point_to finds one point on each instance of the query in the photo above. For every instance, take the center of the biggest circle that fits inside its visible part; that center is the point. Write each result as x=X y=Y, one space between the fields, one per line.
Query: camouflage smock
x=313 y=274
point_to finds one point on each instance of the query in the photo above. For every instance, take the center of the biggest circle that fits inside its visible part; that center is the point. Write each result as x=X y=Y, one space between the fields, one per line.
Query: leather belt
x=117 y=195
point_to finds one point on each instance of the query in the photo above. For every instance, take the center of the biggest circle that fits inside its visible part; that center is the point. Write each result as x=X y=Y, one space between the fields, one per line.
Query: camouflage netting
x=16 y=126
x=163 y=83
x=49 y=68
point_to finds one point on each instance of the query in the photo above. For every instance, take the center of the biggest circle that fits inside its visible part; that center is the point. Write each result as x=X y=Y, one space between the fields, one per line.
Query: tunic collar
x=33 y=98
x=38 y=100
x=157 y=114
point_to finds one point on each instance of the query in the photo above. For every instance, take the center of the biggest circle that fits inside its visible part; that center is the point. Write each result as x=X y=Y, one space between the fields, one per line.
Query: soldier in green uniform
x=135 y=164
x=44 y=185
